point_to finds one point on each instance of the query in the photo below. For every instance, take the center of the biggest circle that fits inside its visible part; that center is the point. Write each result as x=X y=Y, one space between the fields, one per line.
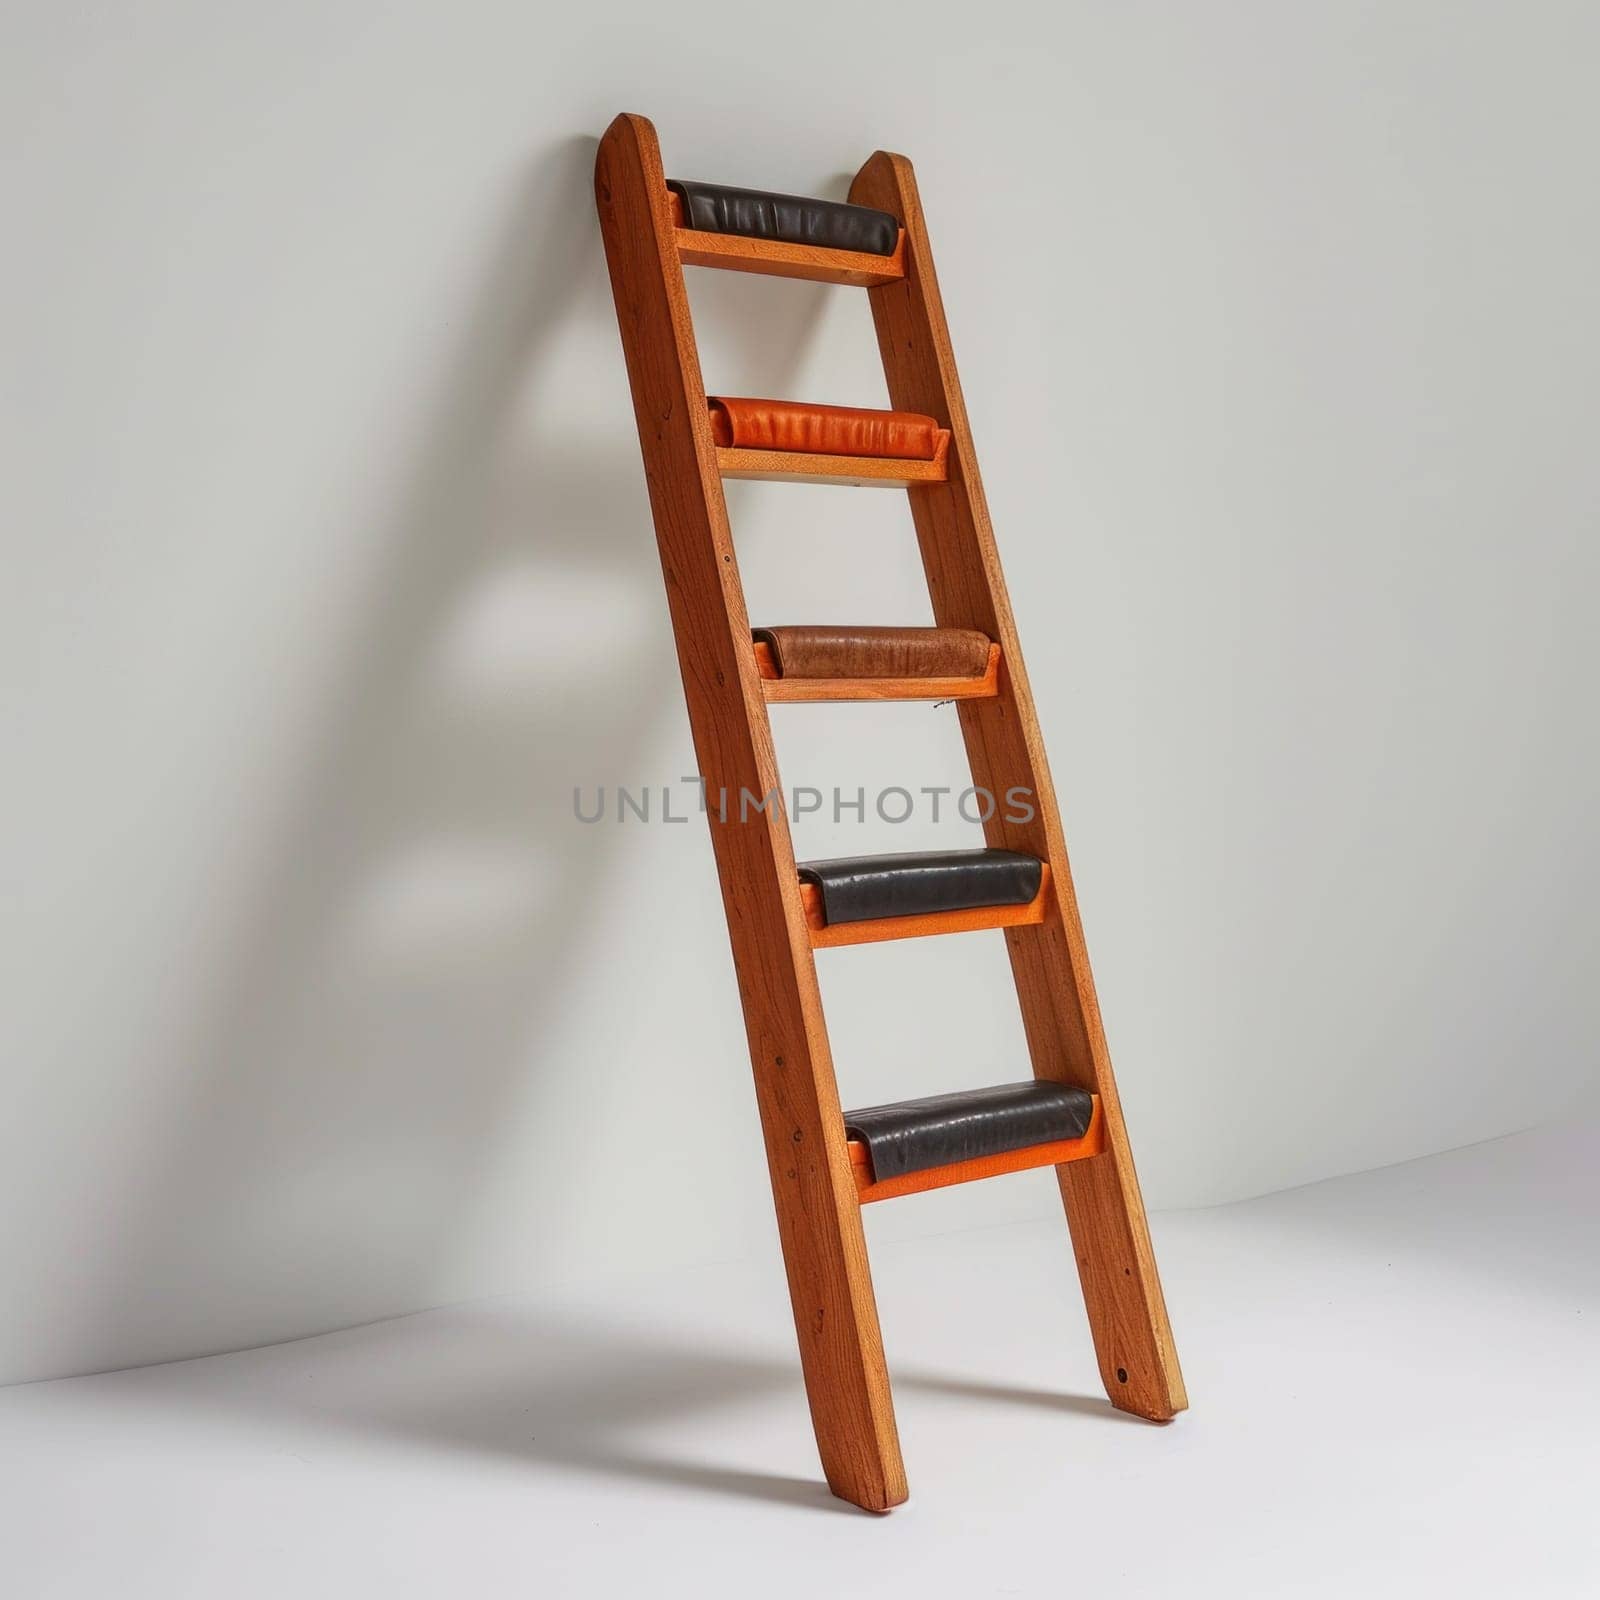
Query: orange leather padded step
x=822 y=430
x=833 y=652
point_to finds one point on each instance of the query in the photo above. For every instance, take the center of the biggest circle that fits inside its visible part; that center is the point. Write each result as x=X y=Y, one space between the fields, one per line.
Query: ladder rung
x=776 y=258
x=989 y=1164
x=771 y=258
x=827 y=936
x=917 y=882
x=917 y=925
x=861 y=472
x=779 y=689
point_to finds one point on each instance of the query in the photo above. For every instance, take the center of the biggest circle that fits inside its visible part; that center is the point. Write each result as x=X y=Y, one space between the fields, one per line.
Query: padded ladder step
x=864 y=663
x=795 y=442
x=978 y=1133
x=867 y=899
x=785 y=236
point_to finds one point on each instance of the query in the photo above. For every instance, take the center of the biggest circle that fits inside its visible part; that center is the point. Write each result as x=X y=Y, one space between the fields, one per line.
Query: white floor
x=1394 y=1383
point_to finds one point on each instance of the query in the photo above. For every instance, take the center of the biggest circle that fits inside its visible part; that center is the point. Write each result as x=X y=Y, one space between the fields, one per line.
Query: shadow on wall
x=425 y=918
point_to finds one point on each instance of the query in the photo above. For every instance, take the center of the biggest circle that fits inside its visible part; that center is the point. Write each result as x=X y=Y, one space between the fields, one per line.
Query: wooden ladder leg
x=1122 y=1290
x=814 y=1190
x=1110 y=1236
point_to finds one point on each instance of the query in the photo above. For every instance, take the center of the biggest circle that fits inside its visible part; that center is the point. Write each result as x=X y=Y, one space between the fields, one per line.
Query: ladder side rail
x=1050 y=963
x=814 y=1189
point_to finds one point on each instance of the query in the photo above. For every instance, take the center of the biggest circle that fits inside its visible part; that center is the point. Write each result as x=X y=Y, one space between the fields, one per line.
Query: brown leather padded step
x=792 y=425
x=830 y=224
x=941 y=1129
x=922 y=883
x=833 y=652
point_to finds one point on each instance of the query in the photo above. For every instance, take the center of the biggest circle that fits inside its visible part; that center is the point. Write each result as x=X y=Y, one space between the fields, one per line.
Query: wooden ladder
x=819 y=1181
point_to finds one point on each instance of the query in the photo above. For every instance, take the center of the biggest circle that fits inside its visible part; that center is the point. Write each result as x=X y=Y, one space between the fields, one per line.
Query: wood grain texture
x=819 y=1218
x=1050 y=962
x=858 y=472
x=1057 y=1153
x=827 y=935
x=778 y=689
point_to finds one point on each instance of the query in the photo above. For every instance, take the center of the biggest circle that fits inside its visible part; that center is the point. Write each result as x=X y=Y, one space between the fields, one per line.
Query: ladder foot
x=1121 y=1290
x=1160 y=1412
x=878 y=1497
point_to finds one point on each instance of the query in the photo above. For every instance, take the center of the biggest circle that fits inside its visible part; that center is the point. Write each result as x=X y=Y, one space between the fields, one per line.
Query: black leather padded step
x=945 y=1128
x=865 y=888
x=713 y=208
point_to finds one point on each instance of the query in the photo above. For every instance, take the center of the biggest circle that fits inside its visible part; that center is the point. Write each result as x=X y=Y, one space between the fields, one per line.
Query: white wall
x=328 y=572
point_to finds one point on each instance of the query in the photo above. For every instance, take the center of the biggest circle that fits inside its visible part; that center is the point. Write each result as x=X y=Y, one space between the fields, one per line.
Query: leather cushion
x=913 y=1135
x=865 y=888
x=831 y=224
x=821 y=430
x=828 y=652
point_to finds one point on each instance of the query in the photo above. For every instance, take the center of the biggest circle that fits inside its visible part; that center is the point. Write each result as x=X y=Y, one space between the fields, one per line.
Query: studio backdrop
x=331 y=610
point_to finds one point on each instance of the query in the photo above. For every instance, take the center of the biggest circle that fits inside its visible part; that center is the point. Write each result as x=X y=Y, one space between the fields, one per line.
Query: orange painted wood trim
x=1056 y=1153
x=775 y=258
x=861 y=472
x=779 y=689
x=826 y=936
